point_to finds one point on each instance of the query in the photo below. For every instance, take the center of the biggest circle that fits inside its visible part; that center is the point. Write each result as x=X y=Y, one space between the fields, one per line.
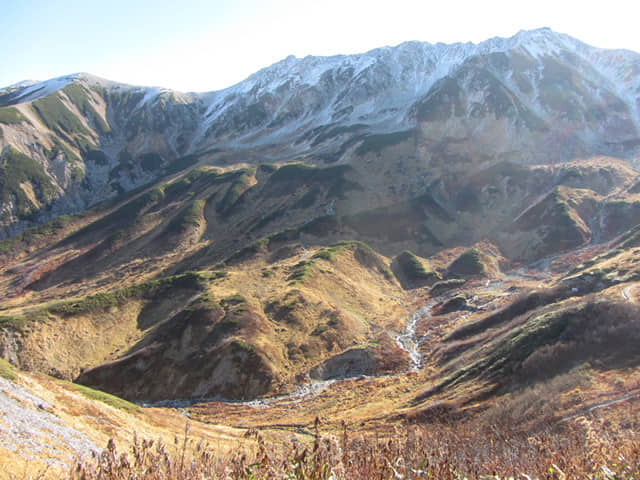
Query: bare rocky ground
x=30 y=429
x=47 y=426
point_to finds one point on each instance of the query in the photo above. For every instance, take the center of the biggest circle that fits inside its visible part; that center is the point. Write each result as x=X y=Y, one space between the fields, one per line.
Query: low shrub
x=300 y=271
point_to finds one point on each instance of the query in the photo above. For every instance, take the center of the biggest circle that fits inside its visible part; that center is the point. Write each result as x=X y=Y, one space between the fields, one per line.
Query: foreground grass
x=437 y=451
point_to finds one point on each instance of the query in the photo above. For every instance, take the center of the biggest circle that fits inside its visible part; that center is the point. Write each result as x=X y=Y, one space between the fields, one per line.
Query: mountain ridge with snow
x=534 y=96
x=533 y=40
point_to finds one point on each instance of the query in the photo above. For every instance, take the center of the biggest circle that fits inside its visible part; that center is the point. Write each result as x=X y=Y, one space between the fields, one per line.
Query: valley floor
x=329 y=360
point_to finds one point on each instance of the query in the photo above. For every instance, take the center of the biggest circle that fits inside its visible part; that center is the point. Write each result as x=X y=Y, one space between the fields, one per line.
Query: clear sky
x=200 y=45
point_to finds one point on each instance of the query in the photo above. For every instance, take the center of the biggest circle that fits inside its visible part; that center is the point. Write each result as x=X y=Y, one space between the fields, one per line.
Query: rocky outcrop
x=351 y=363
x=382 y=357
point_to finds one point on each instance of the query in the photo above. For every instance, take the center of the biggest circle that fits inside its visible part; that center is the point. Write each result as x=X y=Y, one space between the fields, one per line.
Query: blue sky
x=193 y=45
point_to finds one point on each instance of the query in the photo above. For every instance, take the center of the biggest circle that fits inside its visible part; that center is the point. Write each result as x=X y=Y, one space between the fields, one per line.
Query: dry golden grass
x=100 y=419
x=347 y=301
x=463 y=451
x=550 y=430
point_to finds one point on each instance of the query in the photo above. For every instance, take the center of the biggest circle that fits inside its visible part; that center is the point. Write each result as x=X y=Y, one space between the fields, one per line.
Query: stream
x=313 y=388
x=408 y=341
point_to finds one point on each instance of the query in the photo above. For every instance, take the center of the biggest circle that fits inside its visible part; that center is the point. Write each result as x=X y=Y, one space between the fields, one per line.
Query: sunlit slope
x=53 y=424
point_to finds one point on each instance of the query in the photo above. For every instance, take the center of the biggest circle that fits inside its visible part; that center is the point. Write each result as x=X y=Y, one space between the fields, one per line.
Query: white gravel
x=27 y=428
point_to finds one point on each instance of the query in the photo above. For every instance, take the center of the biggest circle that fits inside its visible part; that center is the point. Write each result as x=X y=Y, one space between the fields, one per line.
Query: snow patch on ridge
x=35 y=90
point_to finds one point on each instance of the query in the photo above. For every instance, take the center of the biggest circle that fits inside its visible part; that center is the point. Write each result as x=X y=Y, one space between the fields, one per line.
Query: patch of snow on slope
x=150 y=94
x=398 y=76
x=21 y=84
x=42 y=89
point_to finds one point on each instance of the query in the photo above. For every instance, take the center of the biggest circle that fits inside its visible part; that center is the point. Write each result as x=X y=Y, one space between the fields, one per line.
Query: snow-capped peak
x=308 y=70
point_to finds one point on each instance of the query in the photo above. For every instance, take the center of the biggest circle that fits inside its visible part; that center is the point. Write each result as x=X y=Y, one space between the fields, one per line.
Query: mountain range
x=538 y=97
x=440 y=225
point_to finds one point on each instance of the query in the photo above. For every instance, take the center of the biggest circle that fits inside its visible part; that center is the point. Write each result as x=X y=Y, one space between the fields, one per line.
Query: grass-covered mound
x=413 y=272
x=470 y=262
x=454 y=304
x=554 y=224
x=209 y=349
x=445 y=285
x=363 y=253
x=111 y=400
